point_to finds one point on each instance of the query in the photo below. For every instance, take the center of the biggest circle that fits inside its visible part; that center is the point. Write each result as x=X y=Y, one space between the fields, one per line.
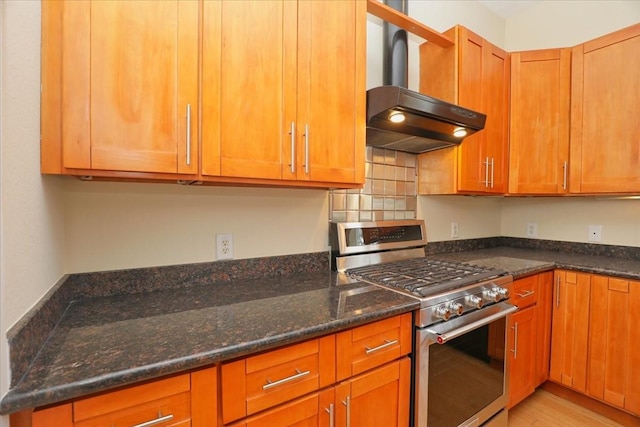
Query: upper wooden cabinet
x=291 y=99
x=605 y=126
x=539 y=122
x=120 y=90
x=474 y=74
x=233 y=92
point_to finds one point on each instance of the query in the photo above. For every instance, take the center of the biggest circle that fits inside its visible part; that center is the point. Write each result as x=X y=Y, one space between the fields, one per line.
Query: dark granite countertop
x=522 y=262
x=106 y=342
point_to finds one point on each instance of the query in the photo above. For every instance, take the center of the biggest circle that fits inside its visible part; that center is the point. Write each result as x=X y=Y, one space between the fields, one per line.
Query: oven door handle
x=445 y=331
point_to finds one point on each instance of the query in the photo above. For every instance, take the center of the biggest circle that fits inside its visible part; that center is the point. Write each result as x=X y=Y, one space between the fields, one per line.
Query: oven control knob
x=503 y=292
x=492 y=295
x=474 y=301
x=443 y=312
x=456 y=308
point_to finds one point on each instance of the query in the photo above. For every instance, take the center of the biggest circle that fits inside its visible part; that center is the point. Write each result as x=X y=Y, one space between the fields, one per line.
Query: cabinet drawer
x=524 y=292
x=259 y=382
x=152 y=398
x=375 y=344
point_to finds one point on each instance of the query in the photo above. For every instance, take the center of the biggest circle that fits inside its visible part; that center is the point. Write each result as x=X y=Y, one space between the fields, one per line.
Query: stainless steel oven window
x=463 y=381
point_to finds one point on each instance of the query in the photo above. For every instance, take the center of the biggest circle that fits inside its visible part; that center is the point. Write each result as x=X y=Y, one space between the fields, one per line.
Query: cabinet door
x=304 y=412
x=331 y=92
x=377 y=398
x=570 y=327
x=605 y=128
x=495 y=104
x=539 y=121
x=543 y=339
x=256 y=89
x=613 y=342
x=130 y=85
x=521 y=343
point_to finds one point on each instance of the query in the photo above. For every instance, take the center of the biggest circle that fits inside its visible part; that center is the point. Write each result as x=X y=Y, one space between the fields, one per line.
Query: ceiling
x=508 y=8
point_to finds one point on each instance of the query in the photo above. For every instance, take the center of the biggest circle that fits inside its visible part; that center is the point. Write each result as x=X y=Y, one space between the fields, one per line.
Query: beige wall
x=31 y=208
x=122 y=225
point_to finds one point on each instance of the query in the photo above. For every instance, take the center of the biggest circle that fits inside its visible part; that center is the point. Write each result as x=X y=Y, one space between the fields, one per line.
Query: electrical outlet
x=455 y=232
x=532 y=229
x=595 y=233
x=224 y=246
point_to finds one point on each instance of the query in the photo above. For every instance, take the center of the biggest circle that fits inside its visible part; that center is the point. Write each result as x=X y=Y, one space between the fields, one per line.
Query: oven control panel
x=466 y=300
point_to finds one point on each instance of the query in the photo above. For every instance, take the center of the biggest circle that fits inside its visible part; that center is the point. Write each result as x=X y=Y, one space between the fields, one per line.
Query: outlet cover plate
x=595 y=233
x=532 y=229
x=224 y=246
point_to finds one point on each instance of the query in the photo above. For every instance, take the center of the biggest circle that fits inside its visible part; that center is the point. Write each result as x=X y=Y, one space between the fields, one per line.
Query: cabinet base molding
x=591 y=404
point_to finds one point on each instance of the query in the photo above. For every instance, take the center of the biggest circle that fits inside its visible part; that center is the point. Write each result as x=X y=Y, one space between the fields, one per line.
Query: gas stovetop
x=424 y=277
x=391 y=254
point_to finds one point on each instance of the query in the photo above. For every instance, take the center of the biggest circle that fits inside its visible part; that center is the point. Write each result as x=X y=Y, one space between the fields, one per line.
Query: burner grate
x=424 y=276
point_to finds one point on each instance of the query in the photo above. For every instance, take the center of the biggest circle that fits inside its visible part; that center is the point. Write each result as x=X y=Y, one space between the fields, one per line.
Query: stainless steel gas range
x=460 y=366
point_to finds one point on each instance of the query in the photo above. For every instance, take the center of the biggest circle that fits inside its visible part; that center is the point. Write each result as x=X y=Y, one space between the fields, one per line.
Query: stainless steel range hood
x=404 y=120
x=429 y=123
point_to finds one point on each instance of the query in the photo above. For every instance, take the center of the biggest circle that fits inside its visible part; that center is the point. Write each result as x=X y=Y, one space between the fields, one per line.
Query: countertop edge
x=16 y=400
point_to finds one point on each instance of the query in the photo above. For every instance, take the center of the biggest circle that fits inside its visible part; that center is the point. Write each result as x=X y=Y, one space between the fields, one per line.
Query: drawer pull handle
x=271 y=384
x=158 y=420
x=330 y=411
x=380 y=347
x=526 y=294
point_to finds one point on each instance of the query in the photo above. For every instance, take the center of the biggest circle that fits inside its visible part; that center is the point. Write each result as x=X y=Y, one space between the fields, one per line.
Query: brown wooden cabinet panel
x=543 y=340
x=521 y=342
x=284 y=101
x=605 y=127
x=570 y=328
x=539 y=121
x=124 y=88
x=612 y=351
x=378 y=397
x=474 y=74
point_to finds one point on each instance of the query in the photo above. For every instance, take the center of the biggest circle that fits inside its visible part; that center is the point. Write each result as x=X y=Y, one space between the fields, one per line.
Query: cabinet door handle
x=329 y=410
x=306 y=149
x=525 y=294
x=558 y=291
x=515 y=340
x=564 y=175
x=298 y=374
x=486 y=172
x=188 y=134
x=386 y=344
x=347 y=403
x=158 y=420
x=492 y=167
x=293 y=147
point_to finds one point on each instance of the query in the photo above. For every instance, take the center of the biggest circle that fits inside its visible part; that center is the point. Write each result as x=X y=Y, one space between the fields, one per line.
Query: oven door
x=460 y=375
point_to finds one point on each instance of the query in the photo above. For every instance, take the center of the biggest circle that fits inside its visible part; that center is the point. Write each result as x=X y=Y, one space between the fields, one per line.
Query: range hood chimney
x=404 y=120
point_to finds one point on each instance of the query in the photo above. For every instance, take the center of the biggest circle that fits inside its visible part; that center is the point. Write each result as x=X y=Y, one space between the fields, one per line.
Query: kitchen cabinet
x=360 y=375
x=614 y=357
x=120 y=91
x=183 y=400
x=214 y=92
x=291 y=100
x=528 y=339
x=260 y=382
x=474 y=74
x=570 y=328
x=539 y=121
x=605 y=128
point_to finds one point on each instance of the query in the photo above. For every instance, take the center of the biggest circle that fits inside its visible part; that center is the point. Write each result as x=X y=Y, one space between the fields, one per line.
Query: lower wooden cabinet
x=180 y=401
x=379 y=397
x=528 y=337
x=570 y=328
x=595 y=337
x=613 y=374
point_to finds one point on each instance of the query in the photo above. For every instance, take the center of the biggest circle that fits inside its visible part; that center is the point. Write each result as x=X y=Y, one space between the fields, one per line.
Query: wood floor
x=543 y=409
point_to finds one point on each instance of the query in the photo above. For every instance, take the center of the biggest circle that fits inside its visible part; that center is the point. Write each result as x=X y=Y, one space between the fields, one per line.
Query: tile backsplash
x=389 y=190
